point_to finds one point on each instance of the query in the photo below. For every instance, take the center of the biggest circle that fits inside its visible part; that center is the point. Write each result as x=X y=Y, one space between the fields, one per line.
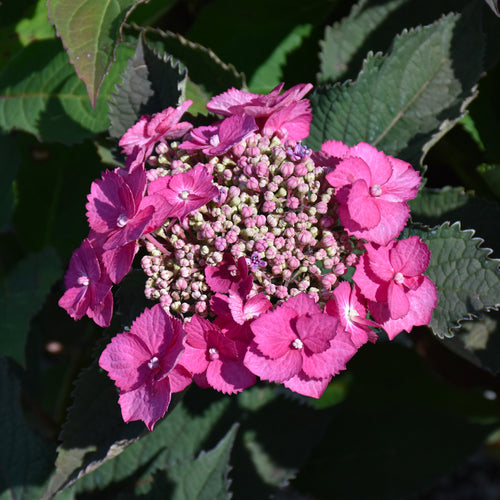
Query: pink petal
x=148 y=403
x=410 y=256
x=118 y=261
x=302 y=384
x=363 y=208
x=125 y=359
x=397 y=301
x=316 y=331
x=274 y=370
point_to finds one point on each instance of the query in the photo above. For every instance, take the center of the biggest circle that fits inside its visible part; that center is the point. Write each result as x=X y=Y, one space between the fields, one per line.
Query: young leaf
x=468 y=281
x=207 y=476
x=404 y=102
x=40 y=93
x=149 y=84
x=90 y=31
x=25 y=460
x=22 y=294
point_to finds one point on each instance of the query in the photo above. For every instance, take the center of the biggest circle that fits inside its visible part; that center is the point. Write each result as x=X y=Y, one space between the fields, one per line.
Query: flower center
x=351 y=313
x=121 y=221
x=83 y=281
x=153 y=363
x=399 y=278
x=213 y=354
x=184 y=195
x=297 y=344
x=215 y=140
x=376 y=190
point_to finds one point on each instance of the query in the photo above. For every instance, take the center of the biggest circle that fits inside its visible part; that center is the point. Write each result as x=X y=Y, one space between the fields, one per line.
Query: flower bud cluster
x=274 y=208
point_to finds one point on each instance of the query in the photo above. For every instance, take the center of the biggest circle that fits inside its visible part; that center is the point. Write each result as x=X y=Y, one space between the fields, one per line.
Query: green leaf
x=177 y=438
x=270 y=73
x=432 y=207
x=207 y=476
x=345 y=38
x=8 y=172
x=37 y=27
x=467 y=280
x=90 y=31
x=94 y=431
x=404 y=102
x=25 y=460
x=199 y=61
x=22 y=294
x=40 y=93
x=149 y=84
x=400 y=429
x=491 y=175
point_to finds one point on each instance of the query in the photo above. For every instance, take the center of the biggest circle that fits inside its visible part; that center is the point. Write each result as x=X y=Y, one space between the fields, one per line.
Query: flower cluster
x=246 y=237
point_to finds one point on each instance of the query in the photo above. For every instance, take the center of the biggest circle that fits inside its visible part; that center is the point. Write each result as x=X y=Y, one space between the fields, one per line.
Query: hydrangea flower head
x=143 y=363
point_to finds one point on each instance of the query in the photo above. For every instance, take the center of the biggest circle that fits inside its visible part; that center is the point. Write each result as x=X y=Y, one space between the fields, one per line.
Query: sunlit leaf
x=90 y=31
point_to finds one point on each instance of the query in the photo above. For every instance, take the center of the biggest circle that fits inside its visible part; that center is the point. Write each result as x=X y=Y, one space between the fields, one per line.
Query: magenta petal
x=273 y=333
x=301 y=384
x=119 y=261
x=194 y=359
x=229 y=376
x=179 y=378
x=103 y=312
x=363 y=209
x=147 y=403
x=397 y=301
x=125 y=359
x=316 y=331
x=274 y=370
x=410 y=256
x=75 y=301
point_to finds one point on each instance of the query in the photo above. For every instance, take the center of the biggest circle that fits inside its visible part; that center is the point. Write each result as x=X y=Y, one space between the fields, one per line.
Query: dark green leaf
x=25 y=460
x=491 y=175
x=22 y=294
x=404 y=102
x=205 y=478
x=94 y=431
x=11 y=161
x=400 y=429
x=149 y=84
x=40 y=93
x=90 y=31
x=468 y=281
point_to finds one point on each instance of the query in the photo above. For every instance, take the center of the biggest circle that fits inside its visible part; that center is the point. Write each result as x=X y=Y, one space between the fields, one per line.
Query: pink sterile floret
x=88 y=287
x=186 y=191
x=285 y=115
x=215 y=358
x=349 y=307
x=152 y=129
x=298 y=344
x=144 y=365
x=219 y=138
x=226 y=274
x=372 y=190
x=118 y=209
x=391 y=278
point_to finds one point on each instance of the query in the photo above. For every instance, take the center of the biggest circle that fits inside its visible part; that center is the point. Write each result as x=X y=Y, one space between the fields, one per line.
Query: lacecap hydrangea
x=245 y=237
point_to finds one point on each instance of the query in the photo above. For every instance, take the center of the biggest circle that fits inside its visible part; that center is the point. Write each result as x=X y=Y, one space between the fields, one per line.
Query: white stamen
x=184 y=195
x=215 y=140
x=213 y=353
x=399 y=278
x=83 y=281
x=153 y=363
x=121 y=221
x=376 y=190
x=298 y=344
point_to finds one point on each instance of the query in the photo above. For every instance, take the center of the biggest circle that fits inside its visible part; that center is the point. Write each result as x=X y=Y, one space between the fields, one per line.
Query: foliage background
x=404 y=413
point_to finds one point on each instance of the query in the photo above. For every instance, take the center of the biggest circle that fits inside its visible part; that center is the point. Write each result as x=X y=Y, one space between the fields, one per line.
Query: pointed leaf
x=176 y=438
x=94 y=431
x=36 y=27
x=343 y=40
x=40 y=93
x=468 y=281
x=406 y=101
x=22 y=294
x=491 y=175
x=150 y=83
x=207 y=476
x=90 y=31
x=432 y=207
x=25 y=460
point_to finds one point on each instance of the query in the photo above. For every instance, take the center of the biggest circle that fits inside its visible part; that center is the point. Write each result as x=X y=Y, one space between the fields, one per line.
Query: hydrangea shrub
x=243 y=263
